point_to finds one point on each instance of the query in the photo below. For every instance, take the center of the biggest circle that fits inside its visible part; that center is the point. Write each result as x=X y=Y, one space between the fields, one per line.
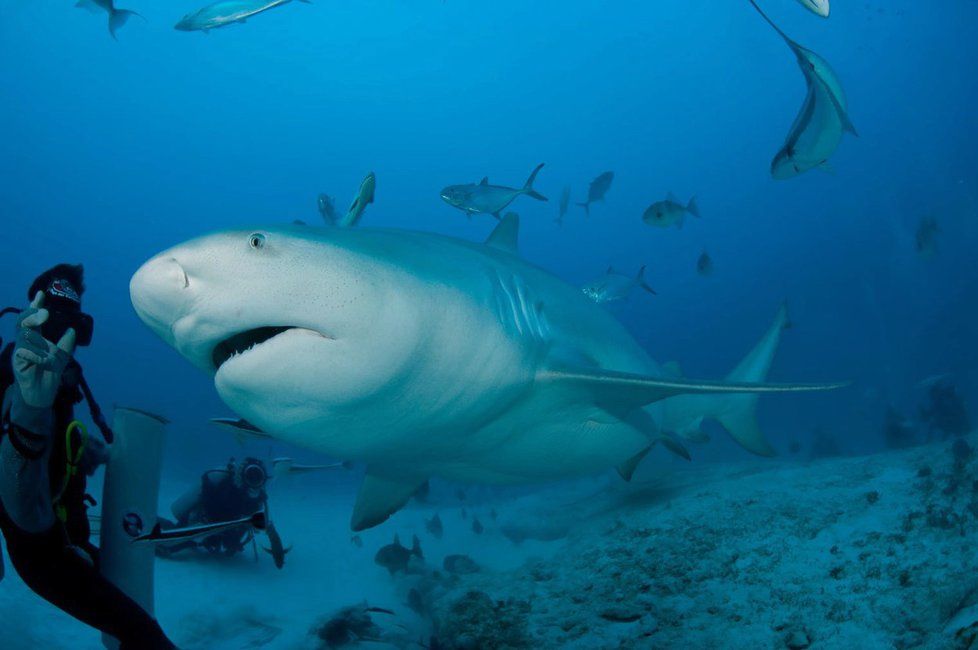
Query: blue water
x=115 y=150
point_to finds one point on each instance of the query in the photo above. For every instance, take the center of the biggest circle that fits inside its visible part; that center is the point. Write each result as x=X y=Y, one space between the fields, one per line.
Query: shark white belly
x=422 y=355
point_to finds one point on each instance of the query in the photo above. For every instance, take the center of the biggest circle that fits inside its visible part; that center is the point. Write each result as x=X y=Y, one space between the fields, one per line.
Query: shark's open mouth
x=242 y=342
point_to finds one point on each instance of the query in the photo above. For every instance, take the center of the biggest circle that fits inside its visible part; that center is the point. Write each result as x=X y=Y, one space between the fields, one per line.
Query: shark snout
x=160 y=293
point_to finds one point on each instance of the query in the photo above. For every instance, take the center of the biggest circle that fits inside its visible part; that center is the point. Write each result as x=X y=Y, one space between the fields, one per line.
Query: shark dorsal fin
x=484 y=181
x=505 y=235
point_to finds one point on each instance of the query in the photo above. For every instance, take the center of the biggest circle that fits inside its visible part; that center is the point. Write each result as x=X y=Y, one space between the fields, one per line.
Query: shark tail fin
x=640 y=278
x=587 y=207
x=416 y=547
x=118 y=18
x=692 y=208
x=528 y=186
x=737 y=413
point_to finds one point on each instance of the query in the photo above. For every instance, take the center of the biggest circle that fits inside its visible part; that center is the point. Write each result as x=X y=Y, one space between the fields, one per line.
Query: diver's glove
x=96 y=454
x=38 y=363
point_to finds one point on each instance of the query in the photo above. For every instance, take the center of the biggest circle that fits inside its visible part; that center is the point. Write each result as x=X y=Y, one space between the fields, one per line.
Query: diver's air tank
x=129 y=505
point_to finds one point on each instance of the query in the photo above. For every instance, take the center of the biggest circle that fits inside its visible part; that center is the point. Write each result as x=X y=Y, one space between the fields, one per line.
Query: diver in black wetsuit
x=233 y=492
x=45 y=457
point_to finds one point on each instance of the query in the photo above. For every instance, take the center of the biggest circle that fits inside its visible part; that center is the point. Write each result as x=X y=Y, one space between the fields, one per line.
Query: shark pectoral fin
x=505 y=235
x=627 y=469
x=622 y=392
x=380 y=497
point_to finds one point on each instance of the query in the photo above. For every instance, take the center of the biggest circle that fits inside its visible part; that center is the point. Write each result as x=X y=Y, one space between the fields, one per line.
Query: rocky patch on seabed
x=870 y=552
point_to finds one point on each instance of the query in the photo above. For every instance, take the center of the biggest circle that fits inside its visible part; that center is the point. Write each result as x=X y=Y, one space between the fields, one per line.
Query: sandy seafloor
x=862 y=552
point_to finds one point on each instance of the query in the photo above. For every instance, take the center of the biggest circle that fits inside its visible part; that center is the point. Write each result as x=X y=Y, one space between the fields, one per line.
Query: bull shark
x=822 y=120
x=424 y=355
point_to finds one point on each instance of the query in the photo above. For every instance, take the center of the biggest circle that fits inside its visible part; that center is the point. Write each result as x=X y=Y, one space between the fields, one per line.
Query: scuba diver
x=46 y=456
x=234 y=492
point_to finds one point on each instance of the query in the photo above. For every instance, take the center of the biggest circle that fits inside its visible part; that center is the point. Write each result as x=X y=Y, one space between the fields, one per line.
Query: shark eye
x=257 y=241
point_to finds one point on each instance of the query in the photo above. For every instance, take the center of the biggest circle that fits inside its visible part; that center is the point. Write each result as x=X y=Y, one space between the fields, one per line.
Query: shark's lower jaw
x=244 y=342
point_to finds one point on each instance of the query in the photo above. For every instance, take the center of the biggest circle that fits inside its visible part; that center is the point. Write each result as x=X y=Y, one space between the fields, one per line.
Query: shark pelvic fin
x=505 y=235
x=380 y=497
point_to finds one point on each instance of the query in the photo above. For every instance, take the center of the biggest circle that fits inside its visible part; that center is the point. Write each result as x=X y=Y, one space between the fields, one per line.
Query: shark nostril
x=186 y=278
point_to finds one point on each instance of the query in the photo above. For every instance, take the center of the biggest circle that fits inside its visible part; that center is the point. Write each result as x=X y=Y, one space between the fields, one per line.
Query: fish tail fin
x=528 y=186
x=640 y=278
x=692 y=208
x=587 y=208
x=416 y=547
x=118 y=18
x=737 y=412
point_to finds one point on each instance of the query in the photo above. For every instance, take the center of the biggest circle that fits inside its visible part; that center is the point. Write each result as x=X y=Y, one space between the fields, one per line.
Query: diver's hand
x=96 y=453
x=38 y=363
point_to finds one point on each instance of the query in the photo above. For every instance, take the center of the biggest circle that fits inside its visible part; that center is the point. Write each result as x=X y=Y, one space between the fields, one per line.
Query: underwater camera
x=59 y=322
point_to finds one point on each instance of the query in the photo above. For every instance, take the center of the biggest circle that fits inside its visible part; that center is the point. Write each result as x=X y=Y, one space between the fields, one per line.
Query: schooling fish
x=483 y=198
x=157 y=535
x=704 y=265
x=596 y=191
x=822 y=120
x=926 y=238
x=117 y=17
x=434 y=526
x=277 y=550
x=364 y=197
x=670 y=212
x=818 y=7
x=226 y=12
x=477 y=526
x=614 y=286
x=565 y=196
x=395 y=557
x=327 y=209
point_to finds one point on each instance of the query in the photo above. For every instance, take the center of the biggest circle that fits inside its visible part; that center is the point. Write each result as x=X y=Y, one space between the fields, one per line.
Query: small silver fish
x=327 y=209
x=117 y=17
x=614 y=286
x=704 y=265
x=483 y=198
x=926 y=237
x=669 y=212
x=596 y=191
x=364 y=197
x=817 y=7
x=226 y=12
x=278 y=551
x=565 y=196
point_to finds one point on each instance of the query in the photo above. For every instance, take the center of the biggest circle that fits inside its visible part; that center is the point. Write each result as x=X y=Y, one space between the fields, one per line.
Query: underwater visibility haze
x=454 y=324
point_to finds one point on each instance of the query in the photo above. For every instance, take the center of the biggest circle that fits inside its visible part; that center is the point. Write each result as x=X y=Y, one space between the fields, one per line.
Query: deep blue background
x=112 y=151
